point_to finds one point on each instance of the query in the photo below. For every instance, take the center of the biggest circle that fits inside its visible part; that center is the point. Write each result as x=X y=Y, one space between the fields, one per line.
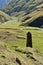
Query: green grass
x=9 y=49
x=10 y=24
x=14 y=28
x=37 y=38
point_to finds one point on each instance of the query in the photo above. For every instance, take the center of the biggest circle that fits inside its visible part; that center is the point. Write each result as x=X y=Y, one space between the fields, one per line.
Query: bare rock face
x=25 y=56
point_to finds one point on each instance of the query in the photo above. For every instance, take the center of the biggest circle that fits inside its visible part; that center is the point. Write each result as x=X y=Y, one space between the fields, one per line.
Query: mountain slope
x=27 y=11
x=21 y=7
x=34 y=19
x=4 y=17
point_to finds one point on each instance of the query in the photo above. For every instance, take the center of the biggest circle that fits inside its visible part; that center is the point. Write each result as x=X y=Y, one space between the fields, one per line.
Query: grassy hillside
x=13 y=50
x=34 y=19
x=14 y=34
x=28 y=12
x=4 y=17
x=13 y=45
x=21 y=7
x=10 y=56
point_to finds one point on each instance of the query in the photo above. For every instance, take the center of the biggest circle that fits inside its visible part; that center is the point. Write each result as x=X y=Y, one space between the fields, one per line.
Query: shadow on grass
x=37 y=23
